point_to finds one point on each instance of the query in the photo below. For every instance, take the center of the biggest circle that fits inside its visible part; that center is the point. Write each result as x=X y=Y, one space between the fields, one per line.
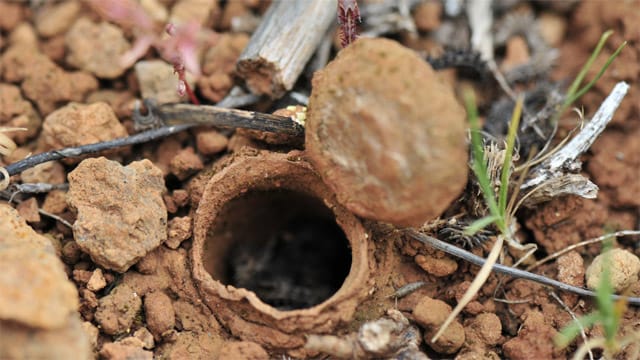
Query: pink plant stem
x=192 y=96
x=348 y=14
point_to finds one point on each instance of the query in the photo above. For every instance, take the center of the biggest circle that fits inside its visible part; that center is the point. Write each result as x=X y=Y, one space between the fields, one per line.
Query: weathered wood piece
x=284 y=42
x=558 y=175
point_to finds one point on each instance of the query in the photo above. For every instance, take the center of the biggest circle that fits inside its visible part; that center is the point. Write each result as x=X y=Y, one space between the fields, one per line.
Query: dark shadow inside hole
x=283 y=245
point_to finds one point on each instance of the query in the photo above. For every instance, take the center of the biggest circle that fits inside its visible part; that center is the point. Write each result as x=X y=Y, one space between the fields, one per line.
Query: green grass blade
x=571 y=331
x=508 y=157
x=583 y=72
x=587 y=87
x=479 y=165
x=480 y=224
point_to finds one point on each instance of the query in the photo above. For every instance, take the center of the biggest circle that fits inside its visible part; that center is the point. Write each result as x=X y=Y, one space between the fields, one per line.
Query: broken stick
x=282 y=45
x=558 y=175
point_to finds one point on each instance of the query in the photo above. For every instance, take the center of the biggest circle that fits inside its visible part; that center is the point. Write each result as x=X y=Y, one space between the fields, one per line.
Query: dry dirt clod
x=571 y=271
x=43 y=81
x=624 y=267
x=55 y=19
x=79 y=124
x=219 y=65
x=159 y=313
x=36 y=291
x=119 y=351
x=158 y=81
x=145 y=336
x=55 y=202
x=38 y=303
x=28 y=210
x=386 y=134
x=242 y=350
x=51 y=172
x=96 y=48
x=15 y=111
x=210 y=142
x=437 y=266
x=430 y=314
x=534 y=340
x=97 y=281
x=179 y=230
x=121 y=215
x=484 y=330
x=117 y=311
x=185 y=163
x=11 y=14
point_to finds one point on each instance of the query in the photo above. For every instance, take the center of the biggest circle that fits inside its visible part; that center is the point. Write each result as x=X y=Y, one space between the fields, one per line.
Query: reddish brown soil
x=167 y=304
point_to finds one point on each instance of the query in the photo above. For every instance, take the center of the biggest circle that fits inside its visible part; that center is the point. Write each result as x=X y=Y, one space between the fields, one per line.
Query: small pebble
x=96 y=281
x=624 y=267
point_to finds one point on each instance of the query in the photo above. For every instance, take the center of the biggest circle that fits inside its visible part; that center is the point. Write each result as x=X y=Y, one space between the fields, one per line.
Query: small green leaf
x=587 y=87
x=479 y=165
x=571 y=331
x=585 y=68
x=506 y=165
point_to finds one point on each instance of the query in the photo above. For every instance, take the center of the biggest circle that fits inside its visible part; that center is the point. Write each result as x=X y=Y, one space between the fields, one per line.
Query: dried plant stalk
x=557 y=175
x=283 y=43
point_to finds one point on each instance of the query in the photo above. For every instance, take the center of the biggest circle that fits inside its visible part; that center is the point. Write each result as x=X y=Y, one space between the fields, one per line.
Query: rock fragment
x=121 y=215
x=386 y=134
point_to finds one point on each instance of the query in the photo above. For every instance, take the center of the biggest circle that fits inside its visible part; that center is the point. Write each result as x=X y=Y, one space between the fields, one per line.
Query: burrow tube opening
x=281 y=244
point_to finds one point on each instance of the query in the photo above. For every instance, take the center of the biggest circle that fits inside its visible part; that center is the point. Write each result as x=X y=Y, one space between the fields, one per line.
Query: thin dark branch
x=73 y=152
x=517 y=273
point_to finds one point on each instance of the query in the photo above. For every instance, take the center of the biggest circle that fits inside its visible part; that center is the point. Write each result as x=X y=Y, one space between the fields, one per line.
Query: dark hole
x=285 y=246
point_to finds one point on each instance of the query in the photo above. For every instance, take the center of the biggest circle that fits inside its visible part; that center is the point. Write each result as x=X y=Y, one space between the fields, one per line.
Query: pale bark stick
x=282 y=45
x=558 y=174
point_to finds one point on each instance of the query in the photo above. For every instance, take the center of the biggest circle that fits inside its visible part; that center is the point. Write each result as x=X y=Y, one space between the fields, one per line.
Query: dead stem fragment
x=557 y=175
x=389 y=337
